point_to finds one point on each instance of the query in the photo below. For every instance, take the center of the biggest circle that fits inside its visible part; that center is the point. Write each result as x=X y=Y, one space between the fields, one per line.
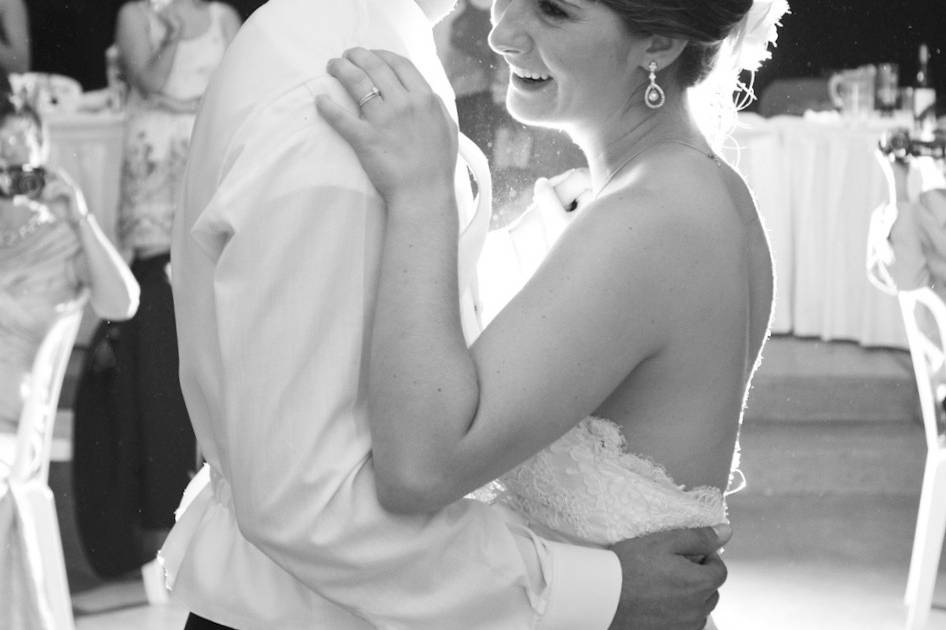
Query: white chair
x=28 y=479
x=923 y=310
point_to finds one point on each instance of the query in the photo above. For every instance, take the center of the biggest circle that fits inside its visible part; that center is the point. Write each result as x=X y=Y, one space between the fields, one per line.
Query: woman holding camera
x=50 y=248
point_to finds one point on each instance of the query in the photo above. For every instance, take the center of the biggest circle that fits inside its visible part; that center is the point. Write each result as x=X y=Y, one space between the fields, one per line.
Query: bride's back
x=681 y=406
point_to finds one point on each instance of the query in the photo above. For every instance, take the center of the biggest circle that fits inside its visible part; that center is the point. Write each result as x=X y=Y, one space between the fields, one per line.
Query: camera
x=901 y=145
x=22 y=181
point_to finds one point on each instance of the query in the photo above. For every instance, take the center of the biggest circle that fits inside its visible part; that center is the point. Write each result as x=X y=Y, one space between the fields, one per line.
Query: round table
x=816 y=181
x=89 y=148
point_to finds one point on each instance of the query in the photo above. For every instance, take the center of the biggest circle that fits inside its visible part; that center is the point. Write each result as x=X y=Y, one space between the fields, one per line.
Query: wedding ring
x=374 y=93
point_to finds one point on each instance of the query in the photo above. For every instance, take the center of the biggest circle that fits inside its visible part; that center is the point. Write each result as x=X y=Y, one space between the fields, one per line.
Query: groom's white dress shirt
x=275 y=254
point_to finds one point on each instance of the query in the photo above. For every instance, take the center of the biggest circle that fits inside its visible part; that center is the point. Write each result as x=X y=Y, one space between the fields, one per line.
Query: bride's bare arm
x=446 y=419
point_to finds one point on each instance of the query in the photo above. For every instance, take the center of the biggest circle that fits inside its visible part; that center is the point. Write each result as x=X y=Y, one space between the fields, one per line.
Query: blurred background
x=820 y=36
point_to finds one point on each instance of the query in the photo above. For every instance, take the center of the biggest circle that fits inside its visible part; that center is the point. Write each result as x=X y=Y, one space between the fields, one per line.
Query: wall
x=70 y=36
x=823 y=35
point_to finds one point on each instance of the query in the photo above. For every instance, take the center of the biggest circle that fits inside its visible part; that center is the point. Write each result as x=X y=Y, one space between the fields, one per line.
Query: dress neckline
x=627 y=161
x=211 y=23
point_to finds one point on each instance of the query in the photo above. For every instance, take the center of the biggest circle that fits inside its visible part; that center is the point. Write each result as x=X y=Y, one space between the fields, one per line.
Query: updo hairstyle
x=704 y=23
x=15 y=107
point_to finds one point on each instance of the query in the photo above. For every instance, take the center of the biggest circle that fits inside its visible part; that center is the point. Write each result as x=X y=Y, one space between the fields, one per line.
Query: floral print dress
x=157 y=139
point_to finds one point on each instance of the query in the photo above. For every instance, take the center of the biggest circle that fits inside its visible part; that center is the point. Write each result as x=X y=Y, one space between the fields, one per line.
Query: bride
x=619 y=372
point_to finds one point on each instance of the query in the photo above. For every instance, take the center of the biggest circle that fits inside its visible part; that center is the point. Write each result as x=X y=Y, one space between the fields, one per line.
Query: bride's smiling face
x=570 y=61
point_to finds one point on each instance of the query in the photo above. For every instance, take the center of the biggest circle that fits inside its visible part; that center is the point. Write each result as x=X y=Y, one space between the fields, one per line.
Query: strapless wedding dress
x=588 y=488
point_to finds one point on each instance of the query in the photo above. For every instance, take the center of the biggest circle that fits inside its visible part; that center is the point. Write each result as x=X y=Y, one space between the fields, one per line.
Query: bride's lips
x=528 y=80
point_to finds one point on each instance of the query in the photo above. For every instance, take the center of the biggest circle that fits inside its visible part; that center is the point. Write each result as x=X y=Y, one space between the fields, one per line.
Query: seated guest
x=14 y=37
x=50 y=248
x=907 y=240
x=906 y=243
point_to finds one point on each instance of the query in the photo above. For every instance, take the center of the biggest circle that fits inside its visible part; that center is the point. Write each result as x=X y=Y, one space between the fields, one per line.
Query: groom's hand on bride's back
x=671 y=579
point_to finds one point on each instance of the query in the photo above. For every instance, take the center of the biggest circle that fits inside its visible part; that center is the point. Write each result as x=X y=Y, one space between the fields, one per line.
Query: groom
x=276 y=252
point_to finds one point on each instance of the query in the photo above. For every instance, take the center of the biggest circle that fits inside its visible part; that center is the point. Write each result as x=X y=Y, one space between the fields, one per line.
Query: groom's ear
x=663 y=49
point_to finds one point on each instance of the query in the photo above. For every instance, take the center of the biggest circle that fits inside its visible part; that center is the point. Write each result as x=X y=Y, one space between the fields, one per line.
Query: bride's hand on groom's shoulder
x=404 y=136
x=664 y=587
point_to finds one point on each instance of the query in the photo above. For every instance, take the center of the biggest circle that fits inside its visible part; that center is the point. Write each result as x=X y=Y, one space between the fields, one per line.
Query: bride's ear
x=664 y=50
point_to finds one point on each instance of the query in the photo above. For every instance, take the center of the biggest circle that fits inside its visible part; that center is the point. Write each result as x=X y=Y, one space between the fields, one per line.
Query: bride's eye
x=552 y=10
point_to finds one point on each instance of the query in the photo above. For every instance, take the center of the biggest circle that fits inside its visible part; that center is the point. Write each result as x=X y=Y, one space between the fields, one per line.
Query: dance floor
x=797 y=563
x=824 y=530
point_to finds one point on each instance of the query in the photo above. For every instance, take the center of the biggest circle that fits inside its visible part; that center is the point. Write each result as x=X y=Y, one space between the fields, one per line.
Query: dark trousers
x=155 y=401
x=133 y=445
x=199 y=623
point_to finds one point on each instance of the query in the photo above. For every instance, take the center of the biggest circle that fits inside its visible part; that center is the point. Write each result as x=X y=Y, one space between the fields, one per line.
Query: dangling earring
x=654 y=96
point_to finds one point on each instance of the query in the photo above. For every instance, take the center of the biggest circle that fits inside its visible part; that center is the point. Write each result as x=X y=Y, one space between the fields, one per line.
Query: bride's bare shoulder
x=669 y=223
x=676 y=195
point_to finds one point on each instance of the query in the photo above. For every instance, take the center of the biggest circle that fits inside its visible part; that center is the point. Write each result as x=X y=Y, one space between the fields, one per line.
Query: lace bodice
x=586 y=488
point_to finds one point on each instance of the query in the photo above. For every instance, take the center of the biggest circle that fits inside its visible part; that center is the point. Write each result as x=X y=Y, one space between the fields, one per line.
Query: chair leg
x=38 y=500
x=927 y=544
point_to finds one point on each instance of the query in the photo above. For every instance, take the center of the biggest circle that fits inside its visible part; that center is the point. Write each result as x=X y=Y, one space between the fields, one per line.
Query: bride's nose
x=508 y=35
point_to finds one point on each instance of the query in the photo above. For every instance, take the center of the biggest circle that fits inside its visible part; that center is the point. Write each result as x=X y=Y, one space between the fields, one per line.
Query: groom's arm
x=294 y=292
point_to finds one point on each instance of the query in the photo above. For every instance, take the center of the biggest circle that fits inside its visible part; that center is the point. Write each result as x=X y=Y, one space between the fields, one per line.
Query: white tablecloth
x=89 y=148
x=817 y=182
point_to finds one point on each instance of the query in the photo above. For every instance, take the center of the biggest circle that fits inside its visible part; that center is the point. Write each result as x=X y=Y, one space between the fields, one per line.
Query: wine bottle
x=924 y=94
x=114 y=79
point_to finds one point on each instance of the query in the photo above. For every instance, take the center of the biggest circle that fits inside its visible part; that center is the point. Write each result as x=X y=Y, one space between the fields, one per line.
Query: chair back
x=37 y=418
x=880 y=254
x=924 y=317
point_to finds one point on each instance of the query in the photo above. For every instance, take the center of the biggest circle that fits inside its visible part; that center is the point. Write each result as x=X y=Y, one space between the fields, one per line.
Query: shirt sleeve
x=295 y=230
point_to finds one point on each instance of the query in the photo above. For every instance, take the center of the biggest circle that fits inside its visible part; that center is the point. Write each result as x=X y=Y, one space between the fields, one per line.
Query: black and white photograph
x=472 y=314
